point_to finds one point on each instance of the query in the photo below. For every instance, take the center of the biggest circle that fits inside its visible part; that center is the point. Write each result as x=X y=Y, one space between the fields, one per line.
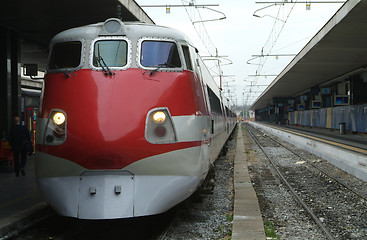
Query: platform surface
x=20 y=200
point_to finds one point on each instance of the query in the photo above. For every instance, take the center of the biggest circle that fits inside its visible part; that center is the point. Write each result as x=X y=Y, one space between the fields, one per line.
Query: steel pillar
x=10 y=79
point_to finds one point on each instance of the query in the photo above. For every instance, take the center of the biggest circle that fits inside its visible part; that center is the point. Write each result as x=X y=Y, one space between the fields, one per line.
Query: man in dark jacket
x=18 y=137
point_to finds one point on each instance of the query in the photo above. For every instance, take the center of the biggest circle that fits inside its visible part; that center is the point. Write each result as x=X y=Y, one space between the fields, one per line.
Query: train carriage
x=129 y=123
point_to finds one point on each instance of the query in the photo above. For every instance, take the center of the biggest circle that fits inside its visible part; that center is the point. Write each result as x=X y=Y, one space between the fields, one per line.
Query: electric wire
x=202 y=26
x=204 y=36
x=263 y=60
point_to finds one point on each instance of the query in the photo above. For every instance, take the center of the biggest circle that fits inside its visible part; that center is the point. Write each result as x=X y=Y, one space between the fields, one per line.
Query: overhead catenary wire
x=277 y=36
x=271 y=40
x=269 y=48
x=204 y=36
x=202 y=33
x=284 y=2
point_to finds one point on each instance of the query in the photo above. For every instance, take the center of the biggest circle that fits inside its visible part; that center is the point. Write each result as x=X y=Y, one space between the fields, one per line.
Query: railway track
x=325 y=172
x=63 y=228
x=331 y=203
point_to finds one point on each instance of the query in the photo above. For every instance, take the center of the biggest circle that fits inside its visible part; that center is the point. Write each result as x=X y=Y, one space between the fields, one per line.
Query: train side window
x=214 y=101
x=112 y=52
x=228 y=112
x=65 y=55
x=187 y=57
x=159 y=54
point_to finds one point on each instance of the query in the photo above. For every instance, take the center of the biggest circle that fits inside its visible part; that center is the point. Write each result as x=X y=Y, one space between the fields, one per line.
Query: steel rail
x=164 y=233
x=295 y=195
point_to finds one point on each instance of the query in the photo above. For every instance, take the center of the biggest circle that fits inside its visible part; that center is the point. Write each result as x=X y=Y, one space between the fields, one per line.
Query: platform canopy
x=36 y=22
x=336 y=51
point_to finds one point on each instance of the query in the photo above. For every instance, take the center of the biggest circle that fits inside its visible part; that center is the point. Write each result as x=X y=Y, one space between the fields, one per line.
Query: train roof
x=132 y=30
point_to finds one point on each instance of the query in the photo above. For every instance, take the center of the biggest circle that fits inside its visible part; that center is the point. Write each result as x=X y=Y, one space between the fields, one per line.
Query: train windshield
x=112 y=53
x=65 y=55
x=159 y=54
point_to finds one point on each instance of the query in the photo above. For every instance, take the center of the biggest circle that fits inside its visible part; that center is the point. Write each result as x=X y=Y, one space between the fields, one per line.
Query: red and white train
x=129 y=123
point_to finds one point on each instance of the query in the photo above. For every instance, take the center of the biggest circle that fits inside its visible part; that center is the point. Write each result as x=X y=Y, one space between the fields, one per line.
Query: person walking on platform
x=19 y=138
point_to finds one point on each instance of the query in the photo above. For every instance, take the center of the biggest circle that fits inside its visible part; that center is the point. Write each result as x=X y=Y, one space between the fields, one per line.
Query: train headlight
x=159 y=127
x=59 y=118
x=55 y=132
x=159 y=117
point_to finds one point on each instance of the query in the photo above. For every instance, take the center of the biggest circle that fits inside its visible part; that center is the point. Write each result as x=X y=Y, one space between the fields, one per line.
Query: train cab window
x=65 y=55
x=112 y=53
x=186 y=53
x=159 y=54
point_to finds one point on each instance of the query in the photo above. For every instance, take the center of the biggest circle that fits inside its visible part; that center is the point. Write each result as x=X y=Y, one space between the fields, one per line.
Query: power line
x=200 y=29
x=284 y=2
x=275 y=55
x=277 y=19
x=263 y=75
x=182 y=5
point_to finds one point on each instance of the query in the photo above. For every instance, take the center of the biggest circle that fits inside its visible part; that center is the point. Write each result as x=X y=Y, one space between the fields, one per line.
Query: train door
x=31 y=123
x=199 y=74
x=199 y=67
x=206 y=134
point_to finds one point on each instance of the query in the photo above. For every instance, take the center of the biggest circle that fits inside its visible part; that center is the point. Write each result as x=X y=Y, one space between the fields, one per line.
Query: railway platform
x=346 y=151
x=358 y=140
x=247 y=219
x=20 y=201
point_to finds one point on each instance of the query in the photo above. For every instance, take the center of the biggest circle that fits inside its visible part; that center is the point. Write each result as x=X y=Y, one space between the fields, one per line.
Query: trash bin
x=342 y=128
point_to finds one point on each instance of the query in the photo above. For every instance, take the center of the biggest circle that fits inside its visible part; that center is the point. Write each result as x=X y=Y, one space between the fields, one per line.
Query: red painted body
x=106 y=115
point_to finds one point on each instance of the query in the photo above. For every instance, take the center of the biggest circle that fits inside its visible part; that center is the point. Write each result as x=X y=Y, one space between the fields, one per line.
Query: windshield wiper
x=159 y=66
x=103 y=64
x=64 y=72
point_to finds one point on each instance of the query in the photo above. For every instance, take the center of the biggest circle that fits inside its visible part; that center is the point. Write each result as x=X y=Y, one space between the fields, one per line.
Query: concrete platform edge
x=12 y=225
x=247 y=219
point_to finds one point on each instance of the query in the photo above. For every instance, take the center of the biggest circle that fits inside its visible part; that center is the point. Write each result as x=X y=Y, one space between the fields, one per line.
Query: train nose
x=98 y=192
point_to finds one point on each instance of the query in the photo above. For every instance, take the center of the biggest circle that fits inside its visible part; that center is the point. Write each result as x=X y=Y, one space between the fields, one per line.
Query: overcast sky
x=279 y=29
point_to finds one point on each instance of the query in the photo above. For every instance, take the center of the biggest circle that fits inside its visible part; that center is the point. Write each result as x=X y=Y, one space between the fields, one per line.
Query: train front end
x=122 y=127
